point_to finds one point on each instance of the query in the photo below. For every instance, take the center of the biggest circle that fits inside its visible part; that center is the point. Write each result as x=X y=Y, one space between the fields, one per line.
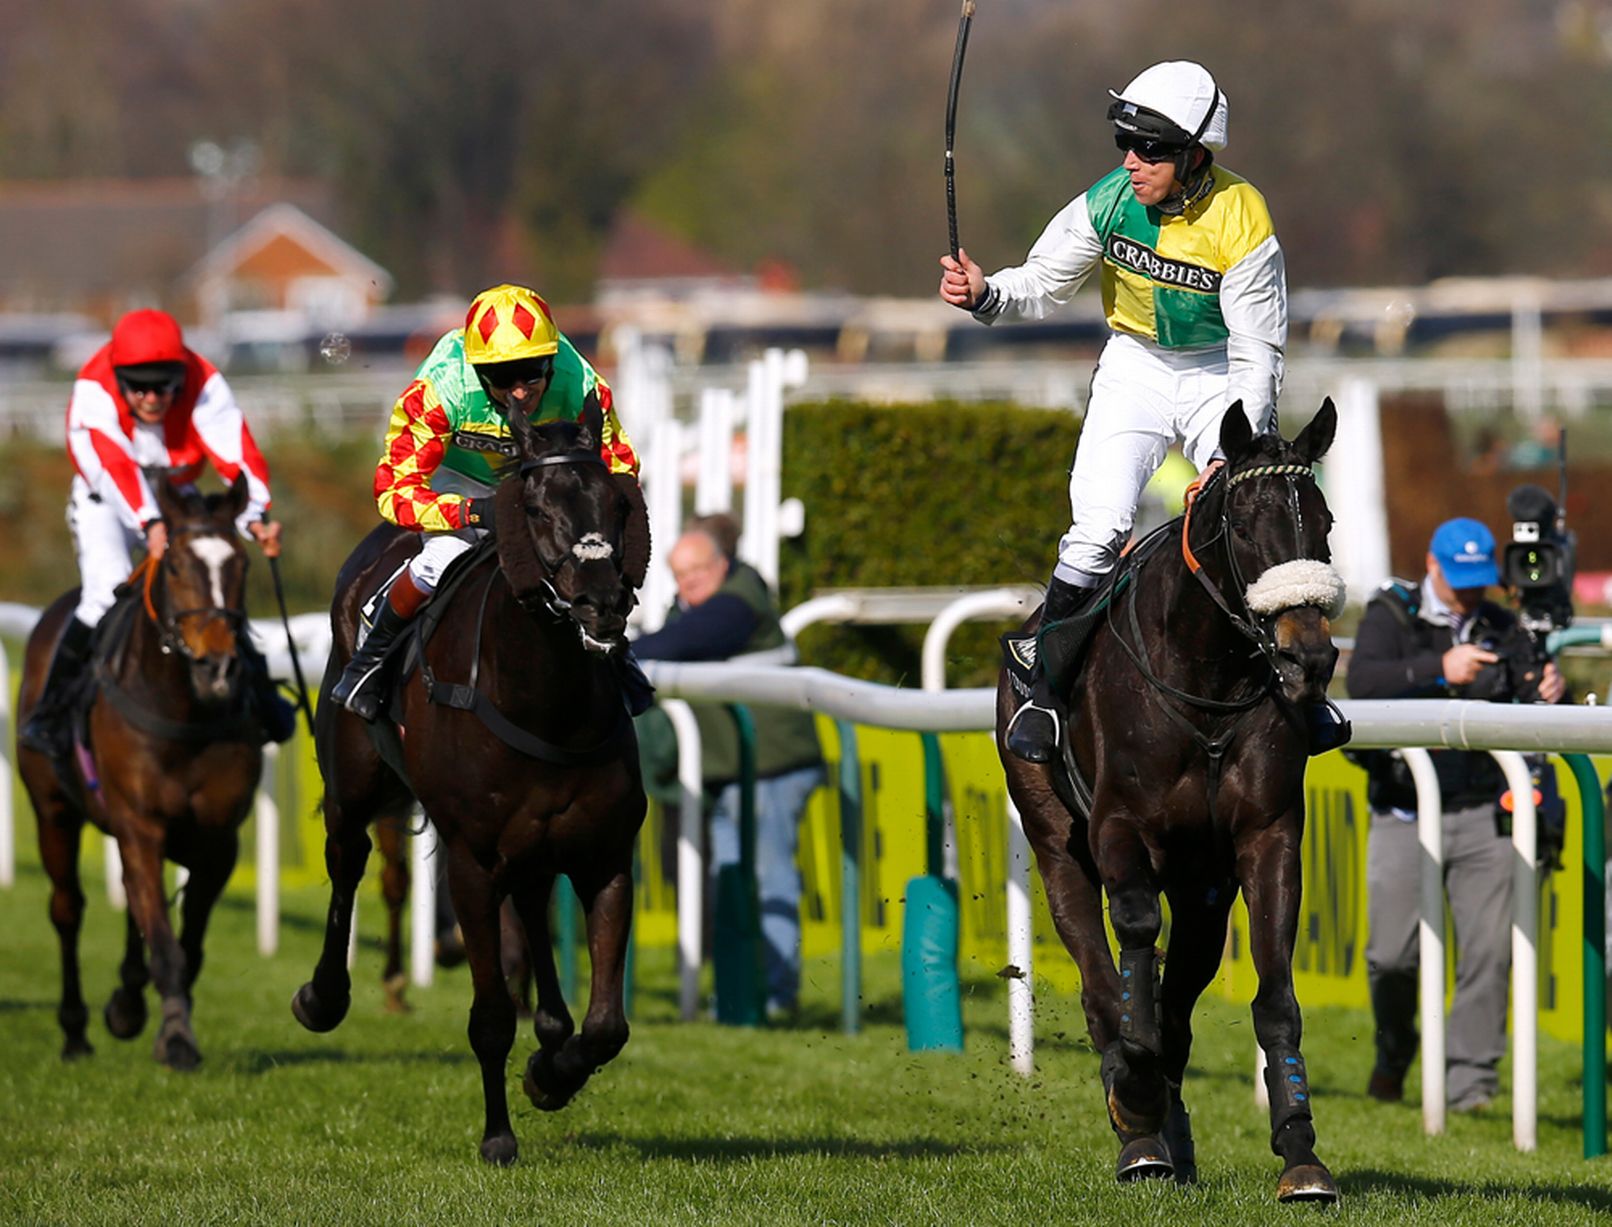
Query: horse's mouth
x=606 y=635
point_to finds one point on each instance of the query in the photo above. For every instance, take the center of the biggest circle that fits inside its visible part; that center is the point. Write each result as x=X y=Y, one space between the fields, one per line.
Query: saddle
x=1059 y=648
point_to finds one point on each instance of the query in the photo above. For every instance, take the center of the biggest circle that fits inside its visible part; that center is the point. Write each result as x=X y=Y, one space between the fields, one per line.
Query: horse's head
x=201 y=606
x=574 y=517
x=1274 y=521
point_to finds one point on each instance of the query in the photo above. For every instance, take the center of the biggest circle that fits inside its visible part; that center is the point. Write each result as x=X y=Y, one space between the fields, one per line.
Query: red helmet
x=147 y=337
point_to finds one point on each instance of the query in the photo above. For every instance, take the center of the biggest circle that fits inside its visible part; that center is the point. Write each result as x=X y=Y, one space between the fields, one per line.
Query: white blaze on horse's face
x=214 y=552
x=1300 y=582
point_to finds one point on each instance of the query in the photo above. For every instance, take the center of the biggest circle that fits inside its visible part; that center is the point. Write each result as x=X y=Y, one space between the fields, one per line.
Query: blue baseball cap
x=1465 y=552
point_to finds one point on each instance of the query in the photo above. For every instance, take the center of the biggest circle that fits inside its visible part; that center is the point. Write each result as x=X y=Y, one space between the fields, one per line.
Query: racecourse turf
x=378 y=1122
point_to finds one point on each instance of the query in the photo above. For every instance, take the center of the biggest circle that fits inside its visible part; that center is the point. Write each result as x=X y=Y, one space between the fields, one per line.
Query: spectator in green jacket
x=725 y=611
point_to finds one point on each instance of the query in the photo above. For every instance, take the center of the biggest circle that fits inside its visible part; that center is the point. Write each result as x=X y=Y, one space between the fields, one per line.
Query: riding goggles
x=502 y=376
x=1149 y=149
x=166 y=385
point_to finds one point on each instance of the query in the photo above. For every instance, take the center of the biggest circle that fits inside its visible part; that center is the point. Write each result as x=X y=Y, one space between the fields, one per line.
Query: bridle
x=547 y=595
x=1259 y=630
x=169 y=637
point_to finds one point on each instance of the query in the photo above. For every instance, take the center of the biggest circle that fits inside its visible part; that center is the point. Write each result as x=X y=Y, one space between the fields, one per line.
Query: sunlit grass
x=379 y=1121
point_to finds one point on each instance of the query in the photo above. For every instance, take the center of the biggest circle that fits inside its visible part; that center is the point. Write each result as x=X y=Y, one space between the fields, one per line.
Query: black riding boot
x=637 y=691
x=359 y=689
x=1327 y=727
x=47 y=730
x=275 y=713
x=1032 y=734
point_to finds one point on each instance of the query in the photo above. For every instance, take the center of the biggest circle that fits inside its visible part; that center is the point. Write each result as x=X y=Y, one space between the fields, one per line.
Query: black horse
x=516 y=742
x=1183 y=776
x=168 y=765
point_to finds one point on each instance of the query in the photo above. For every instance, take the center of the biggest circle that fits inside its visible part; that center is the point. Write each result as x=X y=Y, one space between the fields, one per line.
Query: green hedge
x=921 y=495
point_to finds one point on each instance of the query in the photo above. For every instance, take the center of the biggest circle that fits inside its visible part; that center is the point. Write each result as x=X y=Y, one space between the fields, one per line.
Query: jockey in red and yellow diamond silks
x=449 y=445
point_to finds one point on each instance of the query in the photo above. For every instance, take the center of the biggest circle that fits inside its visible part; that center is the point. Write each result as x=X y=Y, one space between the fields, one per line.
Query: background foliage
x=1396 y=142
x=921 y=495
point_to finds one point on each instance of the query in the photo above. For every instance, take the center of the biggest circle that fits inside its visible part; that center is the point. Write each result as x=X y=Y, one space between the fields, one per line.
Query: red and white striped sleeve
x=221 y=430
x=104 y=455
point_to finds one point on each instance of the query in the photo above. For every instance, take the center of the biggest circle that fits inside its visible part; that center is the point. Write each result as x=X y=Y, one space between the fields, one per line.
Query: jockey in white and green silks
x=1195 y=295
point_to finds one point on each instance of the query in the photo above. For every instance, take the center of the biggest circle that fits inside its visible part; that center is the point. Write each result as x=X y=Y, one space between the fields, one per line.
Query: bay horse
x=1188 y=720
x=515 y=740
x=168 y=766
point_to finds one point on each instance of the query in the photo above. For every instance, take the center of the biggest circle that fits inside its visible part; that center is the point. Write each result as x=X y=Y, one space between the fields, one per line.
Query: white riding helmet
x=1179 y=91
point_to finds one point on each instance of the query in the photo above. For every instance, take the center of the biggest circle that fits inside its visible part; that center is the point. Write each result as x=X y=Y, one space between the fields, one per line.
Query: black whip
x=291 y=644
x=951 y=120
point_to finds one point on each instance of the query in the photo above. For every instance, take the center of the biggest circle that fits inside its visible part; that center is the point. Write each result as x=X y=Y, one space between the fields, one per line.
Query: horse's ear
x=1314 y=439
x=169 y=501
x=239 y=494
x=1236 y=432
x=592 y=423
x=520 y=428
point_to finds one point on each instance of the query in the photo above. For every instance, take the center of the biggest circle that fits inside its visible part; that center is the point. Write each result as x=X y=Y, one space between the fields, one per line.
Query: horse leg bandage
x=1289 y=1087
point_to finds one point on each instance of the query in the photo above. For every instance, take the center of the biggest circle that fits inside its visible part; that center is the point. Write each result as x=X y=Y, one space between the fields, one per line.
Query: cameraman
x=1438 y=640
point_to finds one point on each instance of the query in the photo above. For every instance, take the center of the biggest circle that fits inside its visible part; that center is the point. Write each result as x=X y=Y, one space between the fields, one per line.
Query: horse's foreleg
x=211 y=863
x=551 y=1021
x=557 y=1076
x=125 y=1012
x=175 y=1044
x=1268 y=867
x=59 y=835
x=492 y=1013
x=514 y=959
x=1197 y=940
x=322 y=1002
x=395 y=890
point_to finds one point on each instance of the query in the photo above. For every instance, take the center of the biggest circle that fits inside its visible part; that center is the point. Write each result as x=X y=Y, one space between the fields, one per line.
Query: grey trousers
x=1477 y=881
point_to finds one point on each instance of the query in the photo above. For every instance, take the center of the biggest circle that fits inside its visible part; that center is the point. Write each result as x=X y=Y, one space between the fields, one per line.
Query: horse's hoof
x=76 y=1048
x=316 y=1014
x=543 y=1087
x=1307 y=1182
x=176 y=1048
x=1144 y=1158
x=500 y=1149
x=396 y=1002
x=125 y=1014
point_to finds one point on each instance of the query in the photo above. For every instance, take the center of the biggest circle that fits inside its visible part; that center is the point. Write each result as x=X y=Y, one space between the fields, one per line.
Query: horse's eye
x=1240 y=527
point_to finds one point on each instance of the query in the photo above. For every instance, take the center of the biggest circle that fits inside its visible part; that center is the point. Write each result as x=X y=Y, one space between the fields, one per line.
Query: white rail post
x=267 y=815
x=1021 y=987
x=1524 y=952
x=8 y=821
x=713 y=490
x=422 y=902
x=690 y=856
x=1430 y=933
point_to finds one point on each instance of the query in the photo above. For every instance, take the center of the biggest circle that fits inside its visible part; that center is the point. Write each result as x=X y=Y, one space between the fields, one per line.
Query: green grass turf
x=378 y=1122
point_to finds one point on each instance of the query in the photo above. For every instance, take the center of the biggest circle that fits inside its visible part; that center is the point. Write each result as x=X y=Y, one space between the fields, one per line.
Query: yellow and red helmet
x=508 y=323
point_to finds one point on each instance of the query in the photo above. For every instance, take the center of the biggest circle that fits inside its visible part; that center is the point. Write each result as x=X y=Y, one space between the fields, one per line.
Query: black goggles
x=165 y=385
x=1149 y=149
x=502 y=376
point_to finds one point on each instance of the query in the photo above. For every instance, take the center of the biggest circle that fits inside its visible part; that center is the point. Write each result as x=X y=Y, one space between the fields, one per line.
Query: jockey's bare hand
x=1552 y=685
x=963 y=282
x=1465 y=661
x=1213 y=467
x=267 y=533
x=156 y=539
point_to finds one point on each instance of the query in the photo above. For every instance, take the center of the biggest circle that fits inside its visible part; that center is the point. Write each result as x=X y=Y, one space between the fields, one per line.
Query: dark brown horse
x=522 y=755
x=1188 y=724
x=168 y=768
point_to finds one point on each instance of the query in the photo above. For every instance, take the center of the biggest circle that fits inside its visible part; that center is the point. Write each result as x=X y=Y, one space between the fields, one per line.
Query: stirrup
x=358 y=696
x=1028 y=736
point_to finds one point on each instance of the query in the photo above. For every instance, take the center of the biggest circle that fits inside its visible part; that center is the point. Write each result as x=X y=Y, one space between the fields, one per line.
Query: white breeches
x=105 y=550
x=1143 y=399
x=440 y=549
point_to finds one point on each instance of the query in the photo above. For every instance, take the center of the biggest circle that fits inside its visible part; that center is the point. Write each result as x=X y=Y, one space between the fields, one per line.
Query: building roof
x=100 y=245
x=638 y=249
x=279 y=223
